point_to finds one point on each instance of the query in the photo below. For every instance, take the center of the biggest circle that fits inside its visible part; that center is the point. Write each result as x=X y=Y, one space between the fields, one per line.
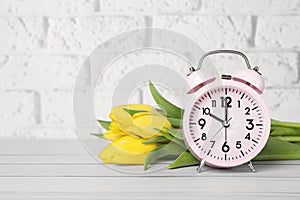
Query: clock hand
x=226 y=112
x=202 y=163
x=226 y=125
x=225 y=134
x=219 y=130
x=216 y=118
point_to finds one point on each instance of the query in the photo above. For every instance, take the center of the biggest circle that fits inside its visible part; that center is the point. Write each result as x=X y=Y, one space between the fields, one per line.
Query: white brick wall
x=22 y=33
x=43 y=44
x=210 y=31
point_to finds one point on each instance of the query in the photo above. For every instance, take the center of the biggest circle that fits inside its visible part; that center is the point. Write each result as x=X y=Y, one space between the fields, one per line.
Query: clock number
x=206 y=111
x=203 y=137
x=250 y=124
x=226 y=100
x=212 y=143
x=238 y=144
x=201 y=123
x=239 y=103
x=213 y=103
x=248 y=136
x=247 y=109
x=225 y=147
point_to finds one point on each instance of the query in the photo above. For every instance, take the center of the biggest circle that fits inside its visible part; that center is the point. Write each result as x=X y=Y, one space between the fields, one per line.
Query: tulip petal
x=133 y=112
x=113 y=155
x=110 y=135
x=133 y=145
x=126 y=150
x=148 y=124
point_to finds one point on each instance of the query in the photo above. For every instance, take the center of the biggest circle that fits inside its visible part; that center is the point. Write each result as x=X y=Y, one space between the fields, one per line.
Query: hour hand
x=216 y=118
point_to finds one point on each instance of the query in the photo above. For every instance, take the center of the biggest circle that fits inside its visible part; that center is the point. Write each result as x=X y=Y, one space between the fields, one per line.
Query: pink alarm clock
x=227 y=123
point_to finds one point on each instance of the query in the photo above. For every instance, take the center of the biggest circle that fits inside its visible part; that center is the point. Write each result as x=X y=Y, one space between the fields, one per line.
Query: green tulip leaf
x=176 y=123
x=104 y=124
x=170 y=137
x=289 y=138
x=277 y=149
x=159 y=139
x=170 y=109
x=283 y=131
x=99 y=135
x=276 y=123
x=133 y=112
x=177 y=133
x=184 y=160
x=170 y=149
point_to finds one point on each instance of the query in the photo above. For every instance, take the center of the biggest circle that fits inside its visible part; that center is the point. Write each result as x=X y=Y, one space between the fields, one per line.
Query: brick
x=250 y=6
x=278 y=31
x=210 y=32
x=86 y=33
x=283 y=103
x=149 y=5
x=19 y=108
x=57 y=108
x=48 y=6
x=21 y=33
x=126 y=64
x=284 y=63
x=45 y=133
x=39 y=72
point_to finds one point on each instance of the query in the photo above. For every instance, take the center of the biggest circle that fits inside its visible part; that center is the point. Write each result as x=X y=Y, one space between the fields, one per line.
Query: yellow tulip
x=141 y=124
x=110 y=135
x=126 y=150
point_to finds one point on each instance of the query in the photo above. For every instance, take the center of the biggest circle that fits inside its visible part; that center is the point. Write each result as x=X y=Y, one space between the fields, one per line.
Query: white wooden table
x=61 y=169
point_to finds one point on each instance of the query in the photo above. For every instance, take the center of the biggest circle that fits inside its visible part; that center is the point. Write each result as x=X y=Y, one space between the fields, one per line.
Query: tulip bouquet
x=141 y=134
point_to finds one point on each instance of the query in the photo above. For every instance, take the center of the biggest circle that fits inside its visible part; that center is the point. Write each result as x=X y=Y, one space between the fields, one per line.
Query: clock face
x=227 y=126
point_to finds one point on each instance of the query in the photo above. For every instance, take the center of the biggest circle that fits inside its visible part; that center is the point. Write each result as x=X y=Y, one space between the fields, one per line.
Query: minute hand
x=226 y=112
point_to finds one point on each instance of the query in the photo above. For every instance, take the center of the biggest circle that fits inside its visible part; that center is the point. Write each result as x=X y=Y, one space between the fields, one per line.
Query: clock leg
x=201 y=165
x=250 y=165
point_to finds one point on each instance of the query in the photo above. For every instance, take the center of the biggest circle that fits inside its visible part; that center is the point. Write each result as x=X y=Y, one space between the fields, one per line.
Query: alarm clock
x=227 y=122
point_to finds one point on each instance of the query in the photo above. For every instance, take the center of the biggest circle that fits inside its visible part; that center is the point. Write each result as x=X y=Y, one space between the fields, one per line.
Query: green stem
x=282 y=131
x=276 y=149
x=289 y=138
x=285 y=124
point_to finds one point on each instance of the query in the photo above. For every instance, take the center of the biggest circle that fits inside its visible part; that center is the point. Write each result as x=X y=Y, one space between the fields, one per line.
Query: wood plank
x=86 y=158
x=145 y=195
x=146 y=185
x=99 y=170
x=41 y=147
x=46 y=159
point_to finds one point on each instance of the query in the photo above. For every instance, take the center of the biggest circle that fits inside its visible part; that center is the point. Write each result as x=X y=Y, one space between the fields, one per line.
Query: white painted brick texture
x=250 y=6
x=86 y=33
x=48 y=6
x=149 y=5
x=278 y=32
x=19 y=108
x=43 y=44
x=210 y=32
x=22 y=33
